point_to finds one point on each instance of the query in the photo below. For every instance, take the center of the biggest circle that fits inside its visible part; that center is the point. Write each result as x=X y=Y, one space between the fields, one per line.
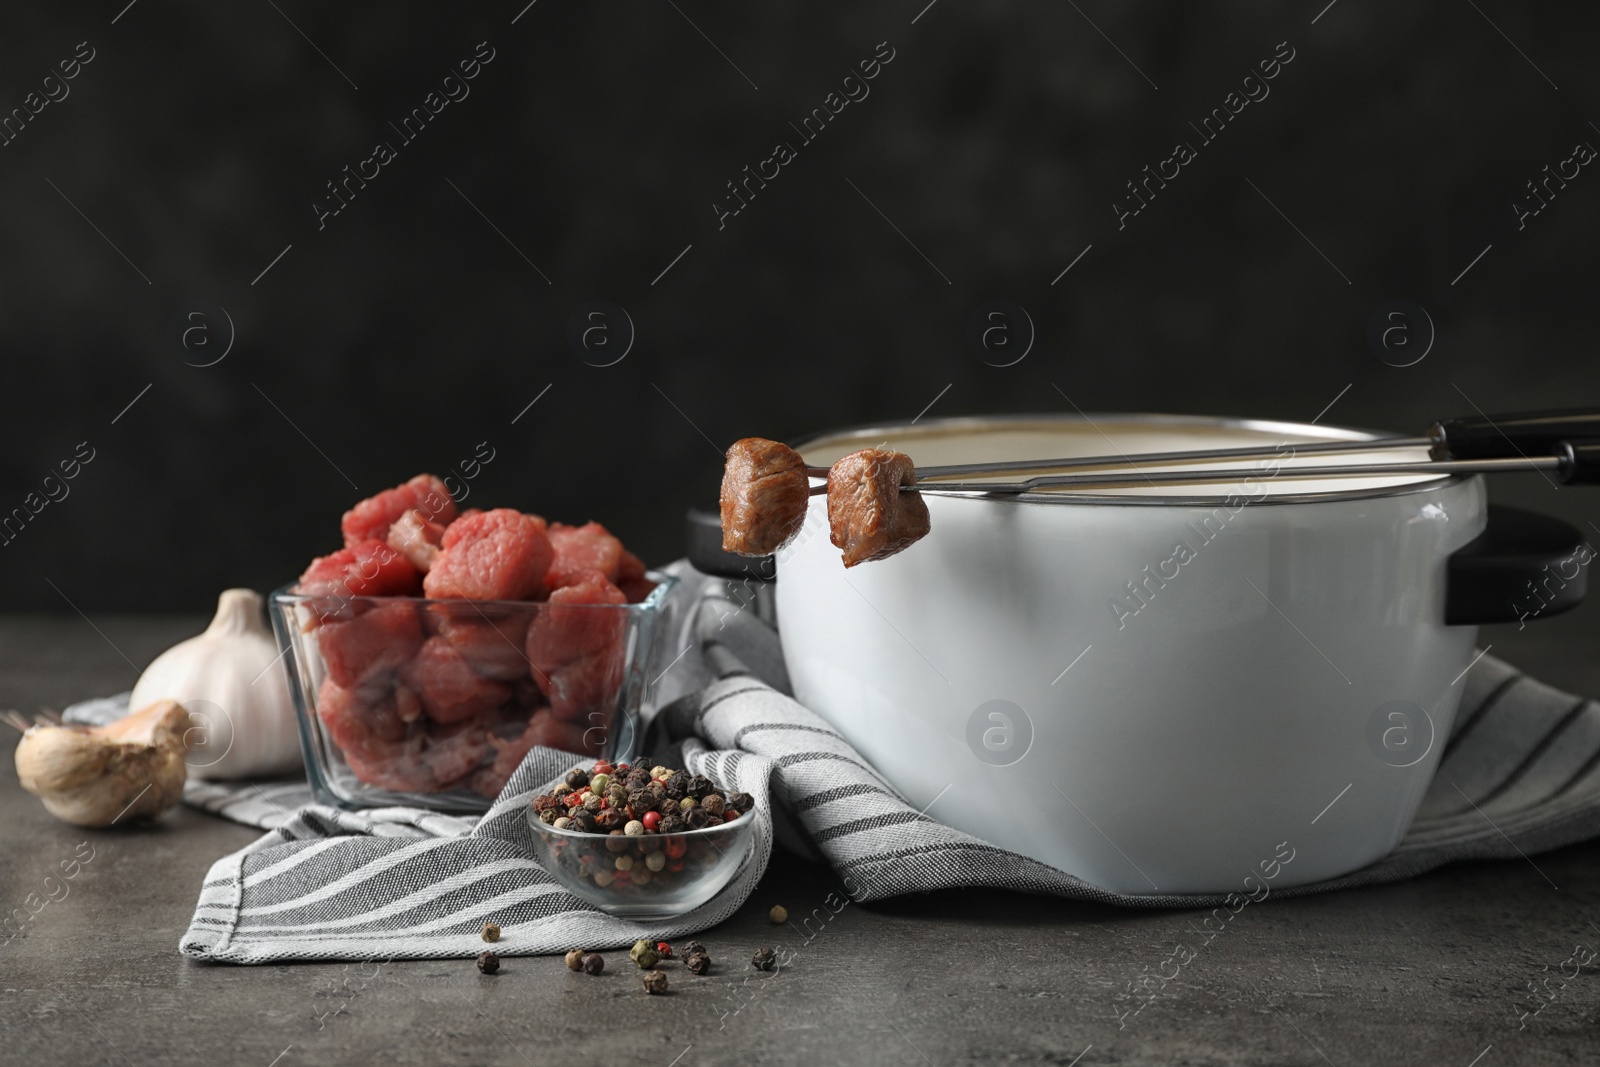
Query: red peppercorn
x=601 y=767
x=664 y=949
x=651 y=820
x=729 y=815
x=675 y=847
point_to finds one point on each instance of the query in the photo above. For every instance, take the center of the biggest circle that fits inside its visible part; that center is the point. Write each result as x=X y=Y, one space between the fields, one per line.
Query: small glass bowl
x=426 y=729
x=603 y=869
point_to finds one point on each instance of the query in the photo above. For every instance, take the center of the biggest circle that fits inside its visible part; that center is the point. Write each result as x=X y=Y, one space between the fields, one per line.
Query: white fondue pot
x=1154 y=688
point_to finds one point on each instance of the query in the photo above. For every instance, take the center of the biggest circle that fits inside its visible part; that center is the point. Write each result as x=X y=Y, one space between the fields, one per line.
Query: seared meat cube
x=764 y=496
x=869 y=516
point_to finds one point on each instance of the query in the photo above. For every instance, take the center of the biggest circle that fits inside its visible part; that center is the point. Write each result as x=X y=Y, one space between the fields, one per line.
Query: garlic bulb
x=96 y=776
x=242 y=721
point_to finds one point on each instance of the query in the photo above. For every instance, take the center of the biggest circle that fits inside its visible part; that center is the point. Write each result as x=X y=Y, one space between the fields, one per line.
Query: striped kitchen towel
x=1518 y=777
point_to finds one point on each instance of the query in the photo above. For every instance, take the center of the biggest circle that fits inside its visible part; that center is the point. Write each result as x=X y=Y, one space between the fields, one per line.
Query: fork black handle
x=1529 y=433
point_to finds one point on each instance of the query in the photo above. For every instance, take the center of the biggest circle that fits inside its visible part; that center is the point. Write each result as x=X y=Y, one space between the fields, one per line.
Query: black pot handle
x=707 y=557
x=1523 y=566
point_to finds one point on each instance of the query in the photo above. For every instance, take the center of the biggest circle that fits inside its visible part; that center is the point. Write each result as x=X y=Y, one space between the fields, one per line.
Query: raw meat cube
x=543 y=728
x=453 y=752
x=764 y=496
x=450 y=689
x=370 y=568
x=570 y=626
x=630 y=578
x=379 y=747
x=417 y=539
x=869 y=517
x=590 y=547
x=498 y=555
x=493 y=642
x=585 y=690
x=370 y=519
x=354 y=717
x=367 y=646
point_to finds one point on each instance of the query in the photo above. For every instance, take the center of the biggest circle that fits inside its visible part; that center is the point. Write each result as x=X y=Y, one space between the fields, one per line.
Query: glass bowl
x=696 y=865
x=433 y=703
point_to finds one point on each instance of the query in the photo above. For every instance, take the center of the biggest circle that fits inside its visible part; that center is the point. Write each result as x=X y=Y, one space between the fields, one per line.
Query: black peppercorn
x=548 y=807
x=638 y=778
x=697 y=818
x=577 y=778
x=670 y=824
x=763 y=959
x=691 y=947
x=610 y=819
x=740 y=802
x=655 y=982
x=700 y=785
x=697 y=962
x=656 y=789
x=593 y=963
x=641 y=801
x=584 y=822
x=678 y=785
x=714 y=804
x=488 y=962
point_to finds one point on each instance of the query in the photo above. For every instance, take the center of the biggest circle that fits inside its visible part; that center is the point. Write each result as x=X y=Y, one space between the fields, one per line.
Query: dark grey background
x=408 y=330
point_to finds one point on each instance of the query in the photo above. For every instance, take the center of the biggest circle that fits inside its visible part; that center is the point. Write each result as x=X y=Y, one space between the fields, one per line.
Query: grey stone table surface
x=1432 y=971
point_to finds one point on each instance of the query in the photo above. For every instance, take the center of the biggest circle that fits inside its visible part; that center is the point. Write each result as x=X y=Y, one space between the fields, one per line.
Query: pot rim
x=1424 y=483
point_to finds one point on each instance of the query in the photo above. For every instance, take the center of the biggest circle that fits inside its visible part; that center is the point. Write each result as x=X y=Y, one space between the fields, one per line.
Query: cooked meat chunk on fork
x=764 y=496
x=869 y=516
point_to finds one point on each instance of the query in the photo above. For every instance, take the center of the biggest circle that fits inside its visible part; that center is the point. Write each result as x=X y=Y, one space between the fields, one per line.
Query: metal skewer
x=1356 y=470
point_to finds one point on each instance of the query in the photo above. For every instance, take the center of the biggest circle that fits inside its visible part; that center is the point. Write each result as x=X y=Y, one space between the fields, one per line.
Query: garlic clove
x=96 y=776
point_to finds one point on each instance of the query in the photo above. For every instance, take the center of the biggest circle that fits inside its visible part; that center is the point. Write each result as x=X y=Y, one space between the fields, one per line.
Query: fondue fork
x=1526 y=436
x=1573 y=464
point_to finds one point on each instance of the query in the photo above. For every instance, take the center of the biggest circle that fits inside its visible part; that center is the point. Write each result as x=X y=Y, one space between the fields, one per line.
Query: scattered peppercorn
x=779 y=914
x=763 y=959
x=491 y=932
x=644 y=955
x=593 y=963
x=488 y=962
x=697 y=962
x=575 y=959
x=664 y=949
x=655 y=982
